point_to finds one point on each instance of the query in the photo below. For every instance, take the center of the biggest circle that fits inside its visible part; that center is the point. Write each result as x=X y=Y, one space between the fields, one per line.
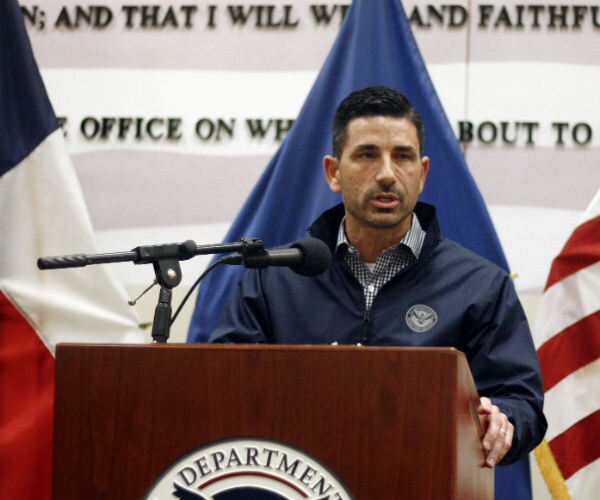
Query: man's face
x=380 y=173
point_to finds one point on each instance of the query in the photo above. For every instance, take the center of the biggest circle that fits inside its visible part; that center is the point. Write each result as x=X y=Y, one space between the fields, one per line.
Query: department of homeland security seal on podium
x=247 y=469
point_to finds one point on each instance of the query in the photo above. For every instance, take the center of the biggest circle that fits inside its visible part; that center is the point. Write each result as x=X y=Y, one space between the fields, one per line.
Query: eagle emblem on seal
x=421 y=318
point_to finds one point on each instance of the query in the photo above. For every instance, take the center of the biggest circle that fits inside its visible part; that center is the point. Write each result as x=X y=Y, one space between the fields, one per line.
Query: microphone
x=306 y=256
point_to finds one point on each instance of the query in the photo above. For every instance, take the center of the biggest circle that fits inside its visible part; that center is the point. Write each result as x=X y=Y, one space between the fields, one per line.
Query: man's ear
x=332 y=173
x=424 y=171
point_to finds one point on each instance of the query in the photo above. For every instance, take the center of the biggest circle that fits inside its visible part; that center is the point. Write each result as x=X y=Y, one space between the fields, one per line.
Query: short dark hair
x=373 y=101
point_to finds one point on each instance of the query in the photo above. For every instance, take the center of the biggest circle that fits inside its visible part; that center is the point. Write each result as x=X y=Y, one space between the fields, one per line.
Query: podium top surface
x=261 y=347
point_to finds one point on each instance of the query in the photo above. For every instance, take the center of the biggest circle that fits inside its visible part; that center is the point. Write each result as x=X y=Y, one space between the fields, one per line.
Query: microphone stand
x=165 y=259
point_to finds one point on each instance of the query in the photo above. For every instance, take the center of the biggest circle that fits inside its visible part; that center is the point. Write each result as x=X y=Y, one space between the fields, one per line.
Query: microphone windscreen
x=316 y=256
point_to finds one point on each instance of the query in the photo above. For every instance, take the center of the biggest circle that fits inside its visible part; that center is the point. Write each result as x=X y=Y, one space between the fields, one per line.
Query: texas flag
x=42 y=212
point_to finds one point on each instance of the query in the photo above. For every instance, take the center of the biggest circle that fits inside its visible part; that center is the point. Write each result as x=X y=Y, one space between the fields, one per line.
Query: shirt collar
x=413 y=239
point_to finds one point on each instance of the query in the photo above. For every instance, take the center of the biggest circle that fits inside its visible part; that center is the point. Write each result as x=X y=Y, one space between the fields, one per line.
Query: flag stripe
x=584 y=483
x=578 y=446
x=573 y=398
x=77 y=305
x=27 y=116
x=593 y=210
x=25 y=430
x=567 y=302
x=566 y=352
x=581 y=250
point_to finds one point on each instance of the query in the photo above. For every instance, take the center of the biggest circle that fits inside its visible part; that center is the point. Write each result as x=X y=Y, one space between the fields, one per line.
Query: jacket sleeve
x=244 y=319
x=505 y=365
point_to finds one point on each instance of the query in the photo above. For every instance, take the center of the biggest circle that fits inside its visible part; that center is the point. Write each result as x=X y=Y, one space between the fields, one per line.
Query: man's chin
x=383 y=220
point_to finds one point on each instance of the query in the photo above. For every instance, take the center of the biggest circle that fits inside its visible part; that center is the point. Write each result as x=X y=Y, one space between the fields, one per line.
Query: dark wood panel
x=389 y=422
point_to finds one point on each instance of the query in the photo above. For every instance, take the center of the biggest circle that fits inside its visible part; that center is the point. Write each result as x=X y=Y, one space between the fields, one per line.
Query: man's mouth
x=386 y=201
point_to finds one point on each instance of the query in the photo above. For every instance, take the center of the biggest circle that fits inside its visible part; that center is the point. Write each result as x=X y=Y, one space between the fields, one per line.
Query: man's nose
x=385 y=174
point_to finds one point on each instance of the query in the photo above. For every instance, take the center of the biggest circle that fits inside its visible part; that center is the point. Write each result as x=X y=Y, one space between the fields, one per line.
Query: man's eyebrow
x=406 y=148
x=365 y=147
x=373 y=147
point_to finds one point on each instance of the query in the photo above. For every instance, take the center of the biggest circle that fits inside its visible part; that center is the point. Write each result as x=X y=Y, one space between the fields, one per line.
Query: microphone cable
x=194 y=286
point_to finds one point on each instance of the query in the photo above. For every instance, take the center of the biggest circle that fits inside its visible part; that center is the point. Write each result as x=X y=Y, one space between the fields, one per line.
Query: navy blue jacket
x=475 y=306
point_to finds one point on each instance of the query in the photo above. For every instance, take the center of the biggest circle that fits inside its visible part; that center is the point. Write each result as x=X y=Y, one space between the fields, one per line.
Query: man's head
x=373 y=101
x=377 y=164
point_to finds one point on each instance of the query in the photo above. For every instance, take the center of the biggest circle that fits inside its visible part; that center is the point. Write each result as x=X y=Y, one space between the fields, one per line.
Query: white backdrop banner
x=172 y=110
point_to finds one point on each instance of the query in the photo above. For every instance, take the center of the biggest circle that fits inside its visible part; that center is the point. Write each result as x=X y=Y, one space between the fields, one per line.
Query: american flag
x=567 y=338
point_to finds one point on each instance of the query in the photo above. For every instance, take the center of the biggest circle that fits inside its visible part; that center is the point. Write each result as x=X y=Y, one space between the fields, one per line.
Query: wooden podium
x=389 y=423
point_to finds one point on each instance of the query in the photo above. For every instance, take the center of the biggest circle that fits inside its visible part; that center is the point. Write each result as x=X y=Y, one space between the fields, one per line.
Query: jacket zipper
x=366 y=327
x=366 y=320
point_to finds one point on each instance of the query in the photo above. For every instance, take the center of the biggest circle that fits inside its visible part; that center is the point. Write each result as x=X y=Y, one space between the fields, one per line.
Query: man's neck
x=372 y=241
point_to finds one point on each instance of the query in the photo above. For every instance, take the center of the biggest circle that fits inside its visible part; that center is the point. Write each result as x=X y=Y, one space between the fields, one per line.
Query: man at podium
x=393 y=280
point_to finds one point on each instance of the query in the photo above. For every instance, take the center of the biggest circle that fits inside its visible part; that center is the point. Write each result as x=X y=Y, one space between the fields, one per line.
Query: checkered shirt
x=389 y=263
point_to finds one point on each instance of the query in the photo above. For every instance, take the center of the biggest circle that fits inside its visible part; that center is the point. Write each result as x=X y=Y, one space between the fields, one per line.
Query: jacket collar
x=327 y=225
